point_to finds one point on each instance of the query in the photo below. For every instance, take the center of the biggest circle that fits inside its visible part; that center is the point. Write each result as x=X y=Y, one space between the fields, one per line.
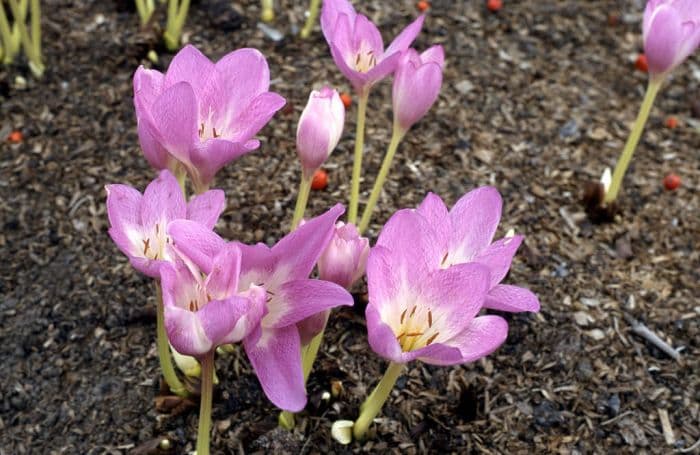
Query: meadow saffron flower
x=202 y=115
x=419 y=311
x=320 y=126
x=671 y=31
x=138 y=222
x=417 y=84
x=357 y=46
x=274 y=347
x=203 y=311
x=344 y=259
x=465 y=234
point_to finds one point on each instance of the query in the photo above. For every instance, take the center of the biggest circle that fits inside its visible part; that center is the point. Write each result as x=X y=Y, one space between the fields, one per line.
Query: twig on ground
x=643 y=331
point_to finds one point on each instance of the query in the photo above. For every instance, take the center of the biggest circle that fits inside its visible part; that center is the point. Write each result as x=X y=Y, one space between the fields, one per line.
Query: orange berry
x=494 y=5
x=346 y=99
x=671 y=122
x=641 y=63
x=15 y=137
x=320 y=180
x=672 y=181
x=422 y=5
x=613 y=19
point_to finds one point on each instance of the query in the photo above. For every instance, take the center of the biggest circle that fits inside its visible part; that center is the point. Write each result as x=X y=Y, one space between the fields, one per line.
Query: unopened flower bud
x=344 y=259
x=319 y=129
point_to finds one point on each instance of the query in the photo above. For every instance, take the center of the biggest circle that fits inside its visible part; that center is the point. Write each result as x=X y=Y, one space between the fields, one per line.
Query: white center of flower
x=207 y=129
x=416 y=328
x=153 y=243
x=365 y=59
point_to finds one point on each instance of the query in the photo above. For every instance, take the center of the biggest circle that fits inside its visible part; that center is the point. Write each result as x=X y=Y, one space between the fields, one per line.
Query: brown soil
x=537 y=99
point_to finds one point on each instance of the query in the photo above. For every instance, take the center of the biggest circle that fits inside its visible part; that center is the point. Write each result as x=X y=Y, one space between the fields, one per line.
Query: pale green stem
x=267 y=10
x=626 y=156
x=6 y=36
x=29 y=48
x=311 y=20
x=373 y=404
x=302 y=200
x=181 y=176
x=36 y=29
x=144 y=12
x=176 y=20
x=166 y=364
x=205 y=403
x=357 y=163
x=396 y=137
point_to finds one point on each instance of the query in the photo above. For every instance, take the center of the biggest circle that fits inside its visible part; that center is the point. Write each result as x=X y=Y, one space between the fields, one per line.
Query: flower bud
x=416 y=85
x=319 y=130
x=344 y=259
x=671 y=32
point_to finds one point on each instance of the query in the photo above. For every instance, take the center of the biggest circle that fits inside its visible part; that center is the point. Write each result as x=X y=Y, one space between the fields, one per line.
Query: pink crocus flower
x=344 y=260
x=138 y=222
x=671 y=31
x=417 y=84
x=203 y=114
x=319 y=130
x=203 y=311
x=274 y=347
x=418 y=311
x=357 y=46
x=464 y=235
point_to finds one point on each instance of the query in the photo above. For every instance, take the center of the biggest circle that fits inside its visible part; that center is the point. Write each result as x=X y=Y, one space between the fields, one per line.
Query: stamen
x=414 y=334
x=192 y=306
x=201 y=129
x=214 y=132
x=401 y=335
x=209 y=297
x=157 y=228
x=413 y=311
x=444 y=258
x=432 y=338
x=430 y=319
x=357 y=60
x=146 y=242
x=403 y=315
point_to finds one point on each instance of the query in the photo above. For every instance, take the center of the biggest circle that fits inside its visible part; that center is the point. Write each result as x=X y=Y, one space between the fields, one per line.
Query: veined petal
x=366 y=37
x=276 y=359
x=512 y=299
x=150 y=142
x=148 y=84
x=358 y=80
x=175 y=116
x=299 y=250
x=435 y=54
x=433 y=209
x=663 y=39
x=255 y=116
x=210 y=156
x=250 y=321
x=297 y=300
x=243 y=74
x=196 y=241
x=206 y=208
x=218 y=318
x=222 y=279
x=330 y=12
x=123 y=206
x=406 y=37
x=483 y=336
x=474 y=218
x=312 y=326
x=381 y=337
x=498 y=257
x=163 y=201
x=384 y=67
x=191 y=66
x=185 y=332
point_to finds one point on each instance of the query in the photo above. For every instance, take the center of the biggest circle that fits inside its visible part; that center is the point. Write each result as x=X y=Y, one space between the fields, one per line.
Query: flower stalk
x=177 y=13
x=145 y=9
x=267 y=11
x=205 y=403
x=357 y=161
x=31 y=44
x=396 y=137
x=311 y=19
x=373 y=404
x=302 y=199
x=166 y=365
x=633 y=139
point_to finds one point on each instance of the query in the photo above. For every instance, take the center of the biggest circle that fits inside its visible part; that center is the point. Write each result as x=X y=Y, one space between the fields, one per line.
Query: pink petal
x=123 y=206
x=210 y=156
x=474 y=218
x=218 y=318
x=663 y=39
x=435 y=54
x=381 y=338
x=148 y=85
x=297 y=300
x=243 y=74
x=150 y=142
x=358 y=80
x=196 y=241
x=206 y=208
x=255 y=116
x=498 y=257
x=163 y=201
x=384 y=67
x=276 y=359
x=222 y=279
x=366 y=37
x=330 y=13
x=434 y=210
x=175 y=117
x=299 y=250
x=483 y=336
x=512 y=299
x=406 y=37
x=312 y=326
x=191 y=66
x=414 y=92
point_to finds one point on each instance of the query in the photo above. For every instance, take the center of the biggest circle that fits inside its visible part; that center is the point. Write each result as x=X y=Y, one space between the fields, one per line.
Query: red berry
x=641 y=63
x=346 y=99
x=422 y=5
x=15 y=137
x=672 y=181
x=494 y=5
x=671 y=122
x=320 y=180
